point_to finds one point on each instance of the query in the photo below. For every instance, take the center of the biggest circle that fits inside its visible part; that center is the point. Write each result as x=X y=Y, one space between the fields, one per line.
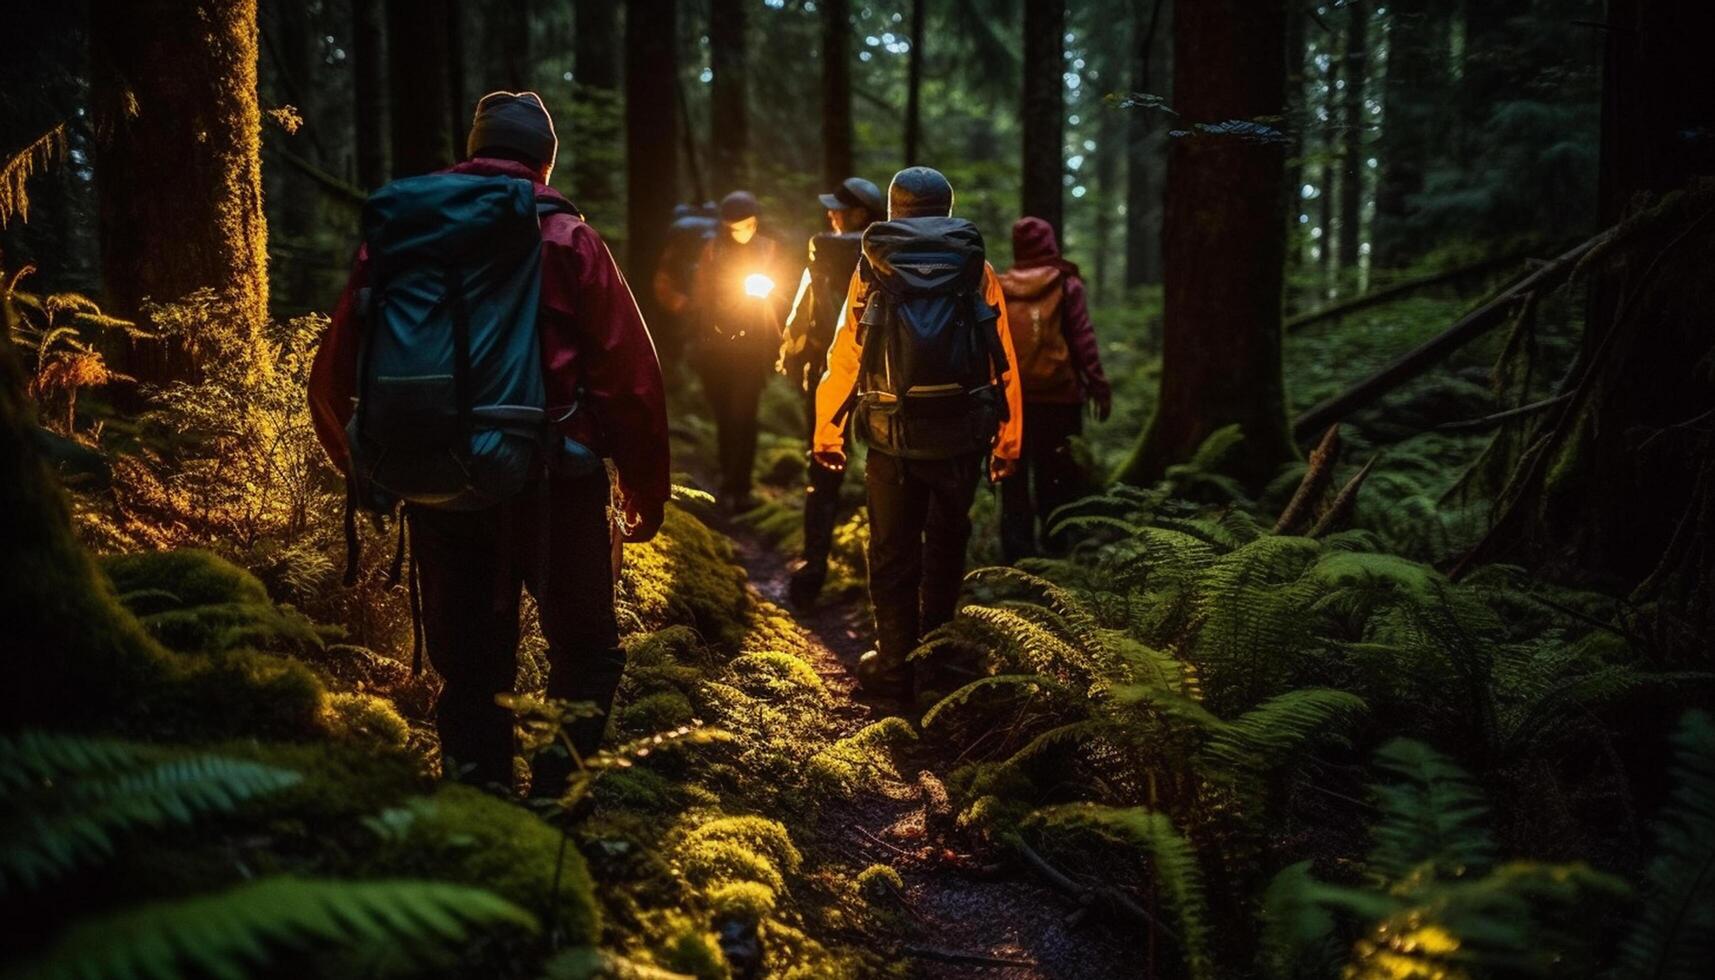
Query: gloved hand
x=1102 y=402
x=1000 y=469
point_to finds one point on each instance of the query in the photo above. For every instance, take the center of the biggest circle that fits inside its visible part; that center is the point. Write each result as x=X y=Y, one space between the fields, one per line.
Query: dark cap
x=854 y=192
x=516 y=121
x=919 y=192
x=738 y=206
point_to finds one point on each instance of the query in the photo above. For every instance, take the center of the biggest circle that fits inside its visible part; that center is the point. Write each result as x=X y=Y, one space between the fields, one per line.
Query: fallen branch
x=1317 y=477
x=1434 y=350
x=1384 y=294
x=1489 y=421
x=1086 y=896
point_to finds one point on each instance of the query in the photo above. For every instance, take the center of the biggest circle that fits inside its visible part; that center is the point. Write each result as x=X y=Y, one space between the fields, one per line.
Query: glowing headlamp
x=758 y=285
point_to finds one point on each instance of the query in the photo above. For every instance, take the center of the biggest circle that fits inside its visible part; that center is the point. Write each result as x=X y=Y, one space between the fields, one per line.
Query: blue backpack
x=451 y=406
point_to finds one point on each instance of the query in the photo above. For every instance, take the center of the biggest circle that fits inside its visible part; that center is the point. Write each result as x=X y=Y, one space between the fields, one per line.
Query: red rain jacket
x=592 y=336
x=1034 y=246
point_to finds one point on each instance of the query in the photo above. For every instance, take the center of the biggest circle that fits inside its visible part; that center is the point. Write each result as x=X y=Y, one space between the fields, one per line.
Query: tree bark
x=178 y=164
x=1223 y=241
x=1328 y=189
x=651 y=128
x=729 y=117
x=419 y=85
x=459 y=102
x=1150 y=73
x=1614 y=486
x=1412 y=93
x=506 y=61
x=914 y=86
x=1354 y=153
x=1043 y=111
x=836 y=91
x=595 y=152
x=369 y=87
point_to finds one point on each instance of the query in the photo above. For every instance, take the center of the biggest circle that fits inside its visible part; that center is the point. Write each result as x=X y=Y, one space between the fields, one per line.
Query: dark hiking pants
x=733 y=376
x=919 y=524
x=821 y=495
x=555 y=541
x=1047 y=478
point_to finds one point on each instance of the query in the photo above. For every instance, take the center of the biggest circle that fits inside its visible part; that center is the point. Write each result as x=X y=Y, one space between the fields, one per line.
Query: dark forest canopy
x=1376 y=636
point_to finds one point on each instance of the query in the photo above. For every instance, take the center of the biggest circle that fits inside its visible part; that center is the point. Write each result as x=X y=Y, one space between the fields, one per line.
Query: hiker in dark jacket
x=555 y=537
x=676 y=274
x=738 y=304
x=1061 y=368
x=816 y=310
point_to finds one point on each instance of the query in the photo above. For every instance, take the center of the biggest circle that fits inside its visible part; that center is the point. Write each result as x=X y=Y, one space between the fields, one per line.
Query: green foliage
x=1674 y=933
x=1173 y=864
x=233 y=932
x=1432 y=817
x=70 y=799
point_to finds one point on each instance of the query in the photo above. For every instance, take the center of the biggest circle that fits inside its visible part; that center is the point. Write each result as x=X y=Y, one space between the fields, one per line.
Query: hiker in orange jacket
x=1060 y=367
x=920 y=367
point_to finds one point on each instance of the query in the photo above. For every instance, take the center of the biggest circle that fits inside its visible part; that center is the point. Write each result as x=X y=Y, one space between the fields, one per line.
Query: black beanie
x=918 y=192
x=515 y=121
x=738 y=206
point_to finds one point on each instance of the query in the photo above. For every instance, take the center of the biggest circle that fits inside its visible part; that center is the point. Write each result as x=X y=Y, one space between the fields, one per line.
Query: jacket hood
x=497 y=167
x=1034 y=246
x=1030 y=282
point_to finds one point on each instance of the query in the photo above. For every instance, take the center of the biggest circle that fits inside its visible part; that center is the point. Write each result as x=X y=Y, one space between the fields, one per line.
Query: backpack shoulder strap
x=556 y=205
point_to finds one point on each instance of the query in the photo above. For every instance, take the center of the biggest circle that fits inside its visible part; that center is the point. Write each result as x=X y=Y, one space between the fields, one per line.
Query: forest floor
x=963 y=914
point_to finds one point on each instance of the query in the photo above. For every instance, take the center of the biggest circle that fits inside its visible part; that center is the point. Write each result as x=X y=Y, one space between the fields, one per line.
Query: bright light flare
x=758 y=285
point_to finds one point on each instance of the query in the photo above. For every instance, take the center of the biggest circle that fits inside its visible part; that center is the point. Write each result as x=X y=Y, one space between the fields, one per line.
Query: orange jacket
x=842 y=373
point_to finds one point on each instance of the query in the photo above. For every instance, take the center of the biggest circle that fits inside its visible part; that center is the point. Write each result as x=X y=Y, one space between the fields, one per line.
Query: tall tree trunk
x=914 y=86
x=1618 y=484
x=1354 y=153
x=1328 y=187
x=1412 y=91
x=369 y=87
x=729 y=118
x=178 y=164
x=1223 y=241
x=1043 y=111
x=459 y=103
x=506 y=59
x=837 y=162
x=651 y=131
x=419 y=84
x=1110 y=149
x=1144 y=164
x=596 y=153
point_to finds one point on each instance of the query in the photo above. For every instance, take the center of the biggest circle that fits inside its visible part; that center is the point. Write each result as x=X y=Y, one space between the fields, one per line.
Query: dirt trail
x=961 y=915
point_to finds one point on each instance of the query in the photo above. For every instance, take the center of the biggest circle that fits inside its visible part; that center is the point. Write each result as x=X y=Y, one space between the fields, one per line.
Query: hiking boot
x=879 y=678
x=806 y=584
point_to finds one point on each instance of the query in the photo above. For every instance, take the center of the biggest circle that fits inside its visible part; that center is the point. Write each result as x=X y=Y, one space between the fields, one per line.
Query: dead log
x=1436 y=349
x=1393 y=291
x=1315 y=483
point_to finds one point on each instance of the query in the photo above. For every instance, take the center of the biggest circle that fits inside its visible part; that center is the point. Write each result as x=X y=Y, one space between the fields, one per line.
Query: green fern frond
x=1266 y=738
x=1177 y=875
x=1030 y=641
x=1030 y=685
x=232 y=933
x=1431 y=816
x=1297 y=927
x=33 y=758
x=1071 y=733
x=1674 y=934
x=69 y=821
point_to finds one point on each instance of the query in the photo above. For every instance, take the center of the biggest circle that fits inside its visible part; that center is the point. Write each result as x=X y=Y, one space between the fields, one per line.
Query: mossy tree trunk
x=729 y=114
x=419 y=83
x=178 y=165
x=1151 y=49
x=1616 y=485
x=1223 y=243
x=651 y=129
x=1043 y=110
x=836 y=91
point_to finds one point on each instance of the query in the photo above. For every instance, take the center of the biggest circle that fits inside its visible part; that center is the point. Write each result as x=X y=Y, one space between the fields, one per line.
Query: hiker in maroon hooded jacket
x=555 y=537
x=1061 y=368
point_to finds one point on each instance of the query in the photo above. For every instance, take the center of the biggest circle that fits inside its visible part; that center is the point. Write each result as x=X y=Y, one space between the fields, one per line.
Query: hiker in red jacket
x=555 y=537
x=1061 y=368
